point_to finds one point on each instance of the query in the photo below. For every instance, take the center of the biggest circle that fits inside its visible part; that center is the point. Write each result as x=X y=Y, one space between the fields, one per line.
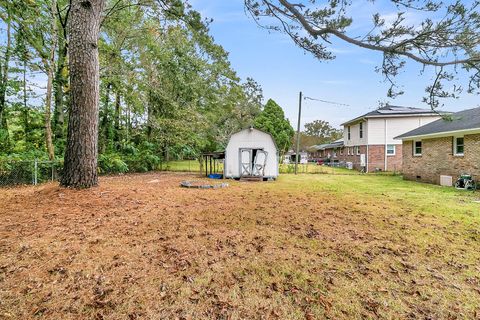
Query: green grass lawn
x=308 y=246
x=181 y=166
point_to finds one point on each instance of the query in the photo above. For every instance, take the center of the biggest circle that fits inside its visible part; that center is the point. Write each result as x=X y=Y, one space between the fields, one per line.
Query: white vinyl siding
x=353 y=139
x=375 y=128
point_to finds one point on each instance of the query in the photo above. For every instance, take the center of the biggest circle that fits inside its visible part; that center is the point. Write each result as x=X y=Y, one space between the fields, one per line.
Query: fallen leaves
x=140 y=247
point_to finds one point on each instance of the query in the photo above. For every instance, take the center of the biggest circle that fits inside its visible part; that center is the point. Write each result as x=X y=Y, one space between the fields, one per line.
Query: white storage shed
x=251 y=153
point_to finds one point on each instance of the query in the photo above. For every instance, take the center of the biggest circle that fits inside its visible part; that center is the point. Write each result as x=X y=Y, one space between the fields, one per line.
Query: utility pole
x=298 y=131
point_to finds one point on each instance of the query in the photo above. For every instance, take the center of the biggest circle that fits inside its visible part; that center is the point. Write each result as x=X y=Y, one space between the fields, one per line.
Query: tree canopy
x=272 y=120
x=166 y=89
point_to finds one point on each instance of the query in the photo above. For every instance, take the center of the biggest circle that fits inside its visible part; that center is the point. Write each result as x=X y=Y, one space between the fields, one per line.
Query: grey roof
x=395 y=111
x=317 y=146
x=334 y=144
x=463 y=120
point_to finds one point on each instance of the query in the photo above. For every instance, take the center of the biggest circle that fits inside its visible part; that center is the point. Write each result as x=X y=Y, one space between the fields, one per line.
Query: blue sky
x=282 y=69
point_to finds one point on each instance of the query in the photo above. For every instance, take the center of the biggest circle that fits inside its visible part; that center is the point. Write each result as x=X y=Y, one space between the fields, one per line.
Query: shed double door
x=252 y=162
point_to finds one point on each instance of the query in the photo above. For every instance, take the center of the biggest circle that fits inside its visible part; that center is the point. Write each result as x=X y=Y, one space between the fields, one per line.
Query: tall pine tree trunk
x=105 y=127
x=50 y=73
x=59 y=83
x=80 y=165
x=116 y=135
x=3 y=88
x=26 y=121
x=48 y=109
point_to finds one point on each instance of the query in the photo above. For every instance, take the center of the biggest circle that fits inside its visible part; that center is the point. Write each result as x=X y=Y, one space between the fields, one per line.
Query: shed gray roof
x=463 y=120
x=394 y=111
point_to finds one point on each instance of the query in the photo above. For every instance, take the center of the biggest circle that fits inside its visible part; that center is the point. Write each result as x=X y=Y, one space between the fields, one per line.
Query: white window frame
x=341 y=151
x=360 y=130
x=415 y=154
x=358 y=150
x=455 y=145
x=394 y=150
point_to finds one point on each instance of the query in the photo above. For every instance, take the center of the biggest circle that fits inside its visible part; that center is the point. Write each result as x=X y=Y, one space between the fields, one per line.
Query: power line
x=301 y=97
x=325 y=101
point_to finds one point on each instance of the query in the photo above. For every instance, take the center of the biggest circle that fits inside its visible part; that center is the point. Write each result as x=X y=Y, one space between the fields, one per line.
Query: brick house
x=332 y=151
x=442 y=150
x=369 y=140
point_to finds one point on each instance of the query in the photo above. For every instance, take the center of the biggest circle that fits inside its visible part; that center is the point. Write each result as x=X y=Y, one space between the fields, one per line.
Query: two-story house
x=369 y=140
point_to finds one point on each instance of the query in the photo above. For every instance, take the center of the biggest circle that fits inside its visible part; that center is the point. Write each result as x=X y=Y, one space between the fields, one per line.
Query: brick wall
x=437 y=159
x=376 y=157
x=354 y=158
x=395 y=163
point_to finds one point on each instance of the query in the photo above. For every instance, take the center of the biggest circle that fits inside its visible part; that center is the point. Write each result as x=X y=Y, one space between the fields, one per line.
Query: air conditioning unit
x=446 y=181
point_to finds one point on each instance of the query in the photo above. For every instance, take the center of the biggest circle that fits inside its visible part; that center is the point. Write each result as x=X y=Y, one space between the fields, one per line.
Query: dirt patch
x=141 y=247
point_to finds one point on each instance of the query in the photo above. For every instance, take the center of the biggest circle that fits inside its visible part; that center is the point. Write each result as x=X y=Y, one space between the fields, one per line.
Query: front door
x=246 y=162
x=259 y=163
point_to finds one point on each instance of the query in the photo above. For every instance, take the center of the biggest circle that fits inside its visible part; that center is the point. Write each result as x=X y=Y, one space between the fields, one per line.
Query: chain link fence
x=33 y=172
x=29 y=172
x=340 y=168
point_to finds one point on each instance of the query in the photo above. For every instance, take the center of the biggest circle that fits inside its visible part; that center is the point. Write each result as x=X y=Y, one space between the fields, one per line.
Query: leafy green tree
x=272 y=120
x=323 y=131
x=164 y=90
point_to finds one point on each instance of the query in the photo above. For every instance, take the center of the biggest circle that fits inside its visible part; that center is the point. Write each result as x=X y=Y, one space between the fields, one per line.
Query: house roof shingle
x=463 y=120
x=335 y=144
x=394 y=111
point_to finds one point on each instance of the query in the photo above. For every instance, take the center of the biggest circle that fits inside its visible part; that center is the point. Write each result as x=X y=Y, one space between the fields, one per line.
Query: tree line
x=144 y=79
x=136 y=82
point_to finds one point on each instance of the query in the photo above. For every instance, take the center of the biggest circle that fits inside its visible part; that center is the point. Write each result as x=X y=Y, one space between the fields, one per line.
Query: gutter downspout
x=386 y=142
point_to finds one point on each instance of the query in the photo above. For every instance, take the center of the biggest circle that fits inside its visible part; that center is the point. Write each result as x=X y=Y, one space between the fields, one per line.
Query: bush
x=111 y=163
x=143 y=161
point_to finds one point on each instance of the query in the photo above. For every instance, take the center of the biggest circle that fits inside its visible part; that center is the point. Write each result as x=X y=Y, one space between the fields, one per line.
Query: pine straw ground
x=304 y=247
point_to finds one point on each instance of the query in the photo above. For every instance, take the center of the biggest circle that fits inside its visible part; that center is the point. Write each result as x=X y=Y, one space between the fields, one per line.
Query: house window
x=357 y=150
x=417 y=148
x=458 y=146
x=341 y=151
x=390 y=149
x=361 y=130
x=348 y=132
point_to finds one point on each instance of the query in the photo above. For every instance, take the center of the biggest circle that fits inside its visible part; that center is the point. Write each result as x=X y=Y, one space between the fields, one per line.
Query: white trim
x=414 y=151
x=455 y=146
x=443 y=134
x=394 y=150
